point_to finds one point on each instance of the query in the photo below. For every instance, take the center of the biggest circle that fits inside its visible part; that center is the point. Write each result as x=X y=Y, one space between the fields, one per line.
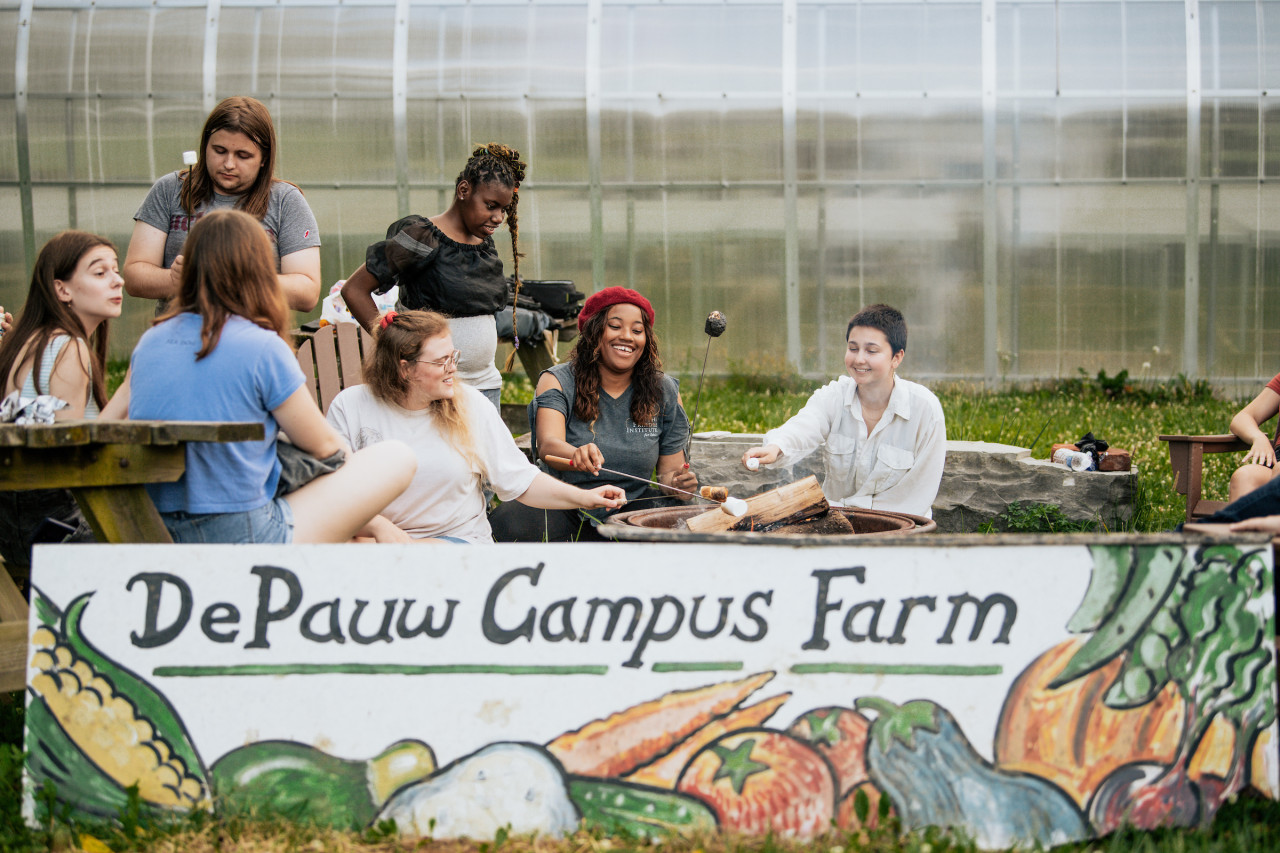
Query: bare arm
x=300 y=278
x=358 y=294
x=117 y=408
x=301 y=420
x=550 y=426
x=546 y=492
x=1246 y=426
x=379 y=529
x=144 y=273
x=672 y=472
x=69 y=380
x=673 y=469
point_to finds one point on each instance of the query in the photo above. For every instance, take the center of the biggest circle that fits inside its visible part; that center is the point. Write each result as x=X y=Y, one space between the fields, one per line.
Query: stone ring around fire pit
x=663 y=524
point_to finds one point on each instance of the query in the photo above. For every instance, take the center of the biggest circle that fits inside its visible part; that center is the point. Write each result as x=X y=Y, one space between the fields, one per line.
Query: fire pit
x=663 y=524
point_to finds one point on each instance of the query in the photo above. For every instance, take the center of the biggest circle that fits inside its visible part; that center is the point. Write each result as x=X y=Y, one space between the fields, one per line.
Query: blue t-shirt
x=249 y=373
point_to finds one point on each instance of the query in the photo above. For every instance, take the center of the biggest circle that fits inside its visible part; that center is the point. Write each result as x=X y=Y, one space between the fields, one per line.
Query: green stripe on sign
x=373 y=669
x=896 y=669
x=699 y=666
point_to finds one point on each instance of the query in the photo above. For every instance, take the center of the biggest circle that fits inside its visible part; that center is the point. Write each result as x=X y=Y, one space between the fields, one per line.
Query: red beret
x=613 y=296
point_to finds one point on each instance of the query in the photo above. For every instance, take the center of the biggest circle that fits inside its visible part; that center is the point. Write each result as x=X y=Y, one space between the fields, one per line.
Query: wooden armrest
x=1186 y=458
x=1210 y=443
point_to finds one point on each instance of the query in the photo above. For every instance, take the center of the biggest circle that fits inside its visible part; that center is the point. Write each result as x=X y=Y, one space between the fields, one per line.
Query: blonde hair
x=401 y=339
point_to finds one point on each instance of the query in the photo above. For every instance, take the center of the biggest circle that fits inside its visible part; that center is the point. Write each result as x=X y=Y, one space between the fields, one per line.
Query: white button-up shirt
x=897 y=467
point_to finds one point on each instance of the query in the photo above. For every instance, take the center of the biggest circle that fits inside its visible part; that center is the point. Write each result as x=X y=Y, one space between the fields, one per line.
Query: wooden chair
x=1186 y=455
x=333 y=359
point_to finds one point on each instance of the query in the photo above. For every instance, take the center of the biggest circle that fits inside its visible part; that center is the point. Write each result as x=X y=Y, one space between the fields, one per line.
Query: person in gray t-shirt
x=235 y=169
x=609 y=405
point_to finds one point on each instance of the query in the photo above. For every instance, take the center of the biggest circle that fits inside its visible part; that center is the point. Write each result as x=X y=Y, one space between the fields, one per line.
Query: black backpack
x=559 y=299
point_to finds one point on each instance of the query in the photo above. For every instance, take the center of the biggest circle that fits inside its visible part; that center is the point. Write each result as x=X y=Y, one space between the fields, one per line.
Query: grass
x=1127 y=413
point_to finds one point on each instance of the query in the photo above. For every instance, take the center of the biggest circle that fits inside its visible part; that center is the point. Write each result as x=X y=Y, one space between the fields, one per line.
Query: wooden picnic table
x=106 y=465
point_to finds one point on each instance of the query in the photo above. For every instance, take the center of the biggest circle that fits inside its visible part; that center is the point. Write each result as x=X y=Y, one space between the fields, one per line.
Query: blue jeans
x=270 y=523
x=493 y=395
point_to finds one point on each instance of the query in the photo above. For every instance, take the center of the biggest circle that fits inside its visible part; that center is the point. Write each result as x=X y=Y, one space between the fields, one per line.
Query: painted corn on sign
x=1020 y=693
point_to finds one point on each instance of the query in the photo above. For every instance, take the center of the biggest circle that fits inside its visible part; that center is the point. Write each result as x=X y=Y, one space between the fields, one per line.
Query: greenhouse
x=1040 y=186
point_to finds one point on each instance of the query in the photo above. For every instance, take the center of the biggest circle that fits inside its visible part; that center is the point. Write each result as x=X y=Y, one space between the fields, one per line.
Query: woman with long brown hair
x=609 y=404
x=53 y=362
x=220 y=353
x=235 y=168
x=409 y=393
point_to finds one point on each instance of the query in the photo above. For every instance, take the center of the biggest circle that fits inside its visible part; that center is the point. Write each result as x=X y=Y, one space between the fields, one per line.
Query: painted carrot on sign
x=665 y=771
x=631 y=738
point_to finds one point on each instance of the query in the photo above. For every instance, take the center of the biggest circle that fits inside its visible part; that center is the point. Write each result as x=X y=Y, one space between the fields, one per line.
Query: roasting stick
x=730 y=506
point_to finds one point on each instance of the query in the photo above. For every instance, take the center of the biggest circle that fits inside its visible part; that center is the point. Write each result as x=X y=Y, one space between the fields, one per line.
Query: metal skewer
x=714 y=328
x=732 y=506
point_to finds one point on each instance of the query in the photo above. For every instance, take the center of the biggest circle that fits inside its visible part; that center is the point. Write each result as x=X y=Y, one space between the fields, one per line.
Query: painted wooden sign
x=1021 y=693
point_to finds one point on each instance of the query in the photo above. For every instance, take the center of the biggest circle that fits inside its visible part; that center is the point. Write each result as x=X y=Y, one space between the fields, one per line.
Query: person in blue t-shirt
x=219 y=353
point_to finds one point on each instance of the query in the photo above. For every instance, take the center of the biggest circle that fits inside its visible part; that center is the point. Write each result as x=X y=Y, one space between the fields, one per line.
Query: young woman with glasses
x=410 y=393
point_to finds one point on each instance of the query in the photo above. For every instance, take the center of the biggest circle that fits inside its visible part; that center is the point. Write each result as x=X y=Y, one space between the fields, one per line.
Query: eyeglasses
x=443 y=363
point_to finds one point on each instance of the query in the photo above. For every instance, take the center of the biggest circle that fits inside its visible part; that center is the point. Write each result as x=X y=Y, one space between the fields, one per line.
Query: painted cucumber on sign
x=1021 y=693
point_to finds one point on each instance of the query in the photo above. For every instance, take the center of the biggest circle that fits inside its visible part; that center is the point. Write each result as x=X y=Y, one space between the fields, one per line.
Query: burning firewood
x=789 y=504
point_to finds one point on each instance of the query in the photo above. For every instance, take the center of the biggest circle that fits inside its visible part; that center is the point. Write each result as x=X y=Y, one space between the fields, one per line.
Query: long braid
x=498 y=163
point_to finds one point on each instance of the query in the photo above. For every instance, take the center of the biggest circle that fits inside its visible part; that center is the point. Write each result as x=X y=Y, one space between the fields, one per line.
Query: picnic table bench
x=106 y=465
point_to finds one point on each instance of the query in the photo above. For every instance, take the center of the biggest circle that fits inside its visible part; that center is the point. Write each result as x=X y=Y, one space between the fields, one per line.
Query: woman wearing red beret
x=609 y=405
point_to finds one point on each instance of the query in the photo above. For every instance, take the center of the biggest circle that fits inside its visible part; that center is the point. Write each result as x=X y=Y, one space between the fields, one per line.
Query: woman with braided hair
x=449 y=264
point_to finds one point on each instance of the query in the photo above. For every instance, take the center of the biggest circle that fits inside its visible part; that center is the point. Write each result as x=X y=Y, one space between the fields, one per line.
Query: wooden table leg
x=13 y=636
x=122 y=514
x=535 y=360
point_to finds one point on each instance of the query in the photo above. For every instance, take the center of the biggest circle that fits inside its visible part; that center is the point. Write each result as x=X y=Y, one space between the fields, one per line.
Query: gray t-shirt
x=289 y=221
x=626 y=446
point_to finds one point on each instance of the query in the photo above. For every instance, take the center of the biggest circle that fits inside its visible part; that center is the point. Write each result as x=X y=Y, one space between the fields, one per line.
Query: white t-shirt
x=445 y=497
x=898 y=467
